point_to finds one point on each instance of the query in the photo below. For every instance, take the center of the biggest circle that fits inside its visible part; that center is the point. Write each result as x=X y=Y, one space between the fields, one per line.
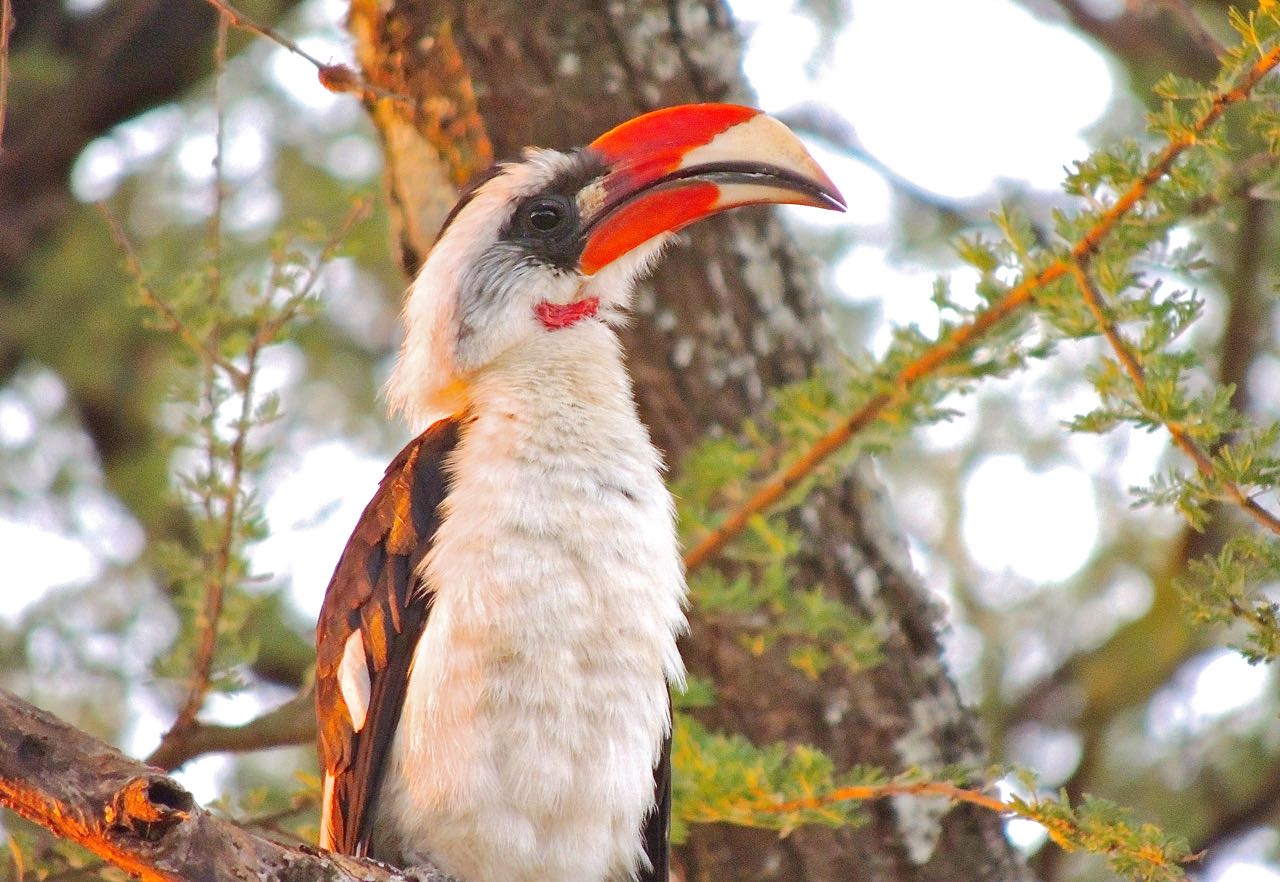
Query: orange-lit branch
x=1124 y=354
x=777 y=486
x=946 y=349
x=1063 y=832
x=138 y=819
x=865 y=792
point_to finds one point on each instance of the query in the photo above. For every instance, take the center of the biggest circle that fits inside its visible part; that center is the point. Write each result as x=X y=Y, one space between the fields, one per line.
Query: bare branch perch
x=142 y=821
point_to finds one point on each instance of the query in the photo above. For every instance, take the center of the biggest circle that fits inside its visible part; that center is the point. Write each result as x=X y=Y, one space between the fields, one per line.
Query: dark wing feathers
x=374 y=589
x=657 y=826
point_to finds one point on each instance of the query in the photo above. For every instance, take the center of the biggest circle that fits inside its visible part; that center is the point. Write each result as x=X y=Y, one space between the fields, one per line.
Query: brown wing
x=375 y=593
x=657 y=826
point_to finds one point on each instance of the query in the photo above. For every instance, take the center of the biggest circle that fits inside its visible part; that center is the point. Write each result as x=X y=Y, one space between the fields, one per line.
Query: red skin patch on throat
x=555 y=316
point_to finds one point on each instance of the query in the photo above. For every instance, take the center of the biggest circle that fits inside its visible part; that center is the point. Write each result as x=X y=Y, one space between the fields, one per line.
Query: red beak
x=671 y=167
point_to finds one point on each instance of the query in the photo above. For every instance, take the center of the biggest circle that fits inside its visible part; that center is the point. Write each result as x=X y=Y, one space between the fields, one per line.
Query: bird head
x=537 y=246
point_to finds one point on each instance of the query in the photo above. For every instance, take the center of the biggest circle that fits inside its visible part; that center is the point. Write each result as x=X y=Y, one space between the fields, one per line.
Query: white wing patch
x=326 y=812
x=353 y=680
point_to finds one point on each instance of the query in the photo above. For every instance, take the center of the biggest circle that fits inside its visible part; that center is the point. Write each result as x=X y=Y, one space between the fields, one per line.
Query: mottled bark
x=732 y=313
x=137 y=818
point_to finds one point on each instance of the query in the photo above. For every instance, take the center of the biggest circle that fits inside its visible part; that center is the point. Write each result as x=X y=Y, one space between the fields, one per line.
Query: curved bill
x=671 y=167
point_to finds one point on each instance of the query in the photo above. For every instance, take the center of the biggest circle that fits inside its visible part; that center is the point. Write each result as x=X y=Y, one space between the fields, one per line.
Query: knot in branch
x=148 y=806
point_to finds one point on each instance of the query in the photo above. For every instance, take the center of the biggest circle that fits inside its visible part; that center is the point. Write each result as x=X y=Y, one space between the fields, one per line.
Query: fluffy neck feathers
x=573 y=375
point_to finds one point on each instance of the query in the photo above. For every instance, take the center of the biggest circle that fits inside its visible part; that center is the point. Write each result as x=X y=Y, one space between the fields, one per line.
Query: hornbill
x=496 y=646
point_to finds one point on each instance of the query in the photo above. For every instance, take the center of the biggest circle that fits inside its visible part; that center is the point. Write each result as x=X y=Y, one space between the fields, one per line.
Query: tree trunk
x=729 y=315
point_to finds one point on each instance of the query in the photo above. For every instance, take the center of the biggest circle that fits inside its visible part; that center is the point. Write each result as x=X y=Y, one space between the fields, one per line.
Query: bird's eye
x=547 y=216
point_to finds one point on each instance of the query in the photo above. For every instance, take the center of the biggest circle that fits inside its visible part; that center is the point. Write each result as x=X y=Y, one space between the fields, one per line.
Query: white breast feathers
x=537 y=704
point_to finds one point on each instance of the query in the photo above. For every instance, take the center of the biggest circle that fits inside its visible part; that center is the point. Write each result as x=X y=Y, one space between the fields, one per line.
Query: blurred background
x=1063 y=627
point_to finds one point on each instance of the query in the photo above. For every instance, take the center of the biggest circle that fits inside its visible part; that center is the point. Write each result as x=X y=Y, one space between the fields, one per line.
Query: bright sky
x=958 y=116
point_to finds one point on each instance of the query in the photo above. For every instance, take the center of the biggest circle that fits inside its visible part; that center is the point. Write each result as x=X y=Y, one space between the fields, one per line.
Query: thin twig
x=270 y=823
x=865 y=792
x=15 y=856
x=218 y=569
x=154 y=301
x=187 y=729
x=1124 y=354
x=359 y=211
x=1060 y=830
x=787 y=479
x=6 y=26
x=213 y=339
x=334 y=77
x=219 y=164
x=778 y=485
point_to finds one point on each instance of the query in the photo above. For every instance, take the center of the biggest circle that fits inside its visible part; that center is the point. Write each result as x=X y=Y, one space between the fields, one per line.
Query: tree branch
x=1163 y=626
x=142 y=821
x=217 y=578
x=293 y=722
x=1068 y=833
x=1181 y=437
x=6 y=27
x=944 y=350
x=334 y=77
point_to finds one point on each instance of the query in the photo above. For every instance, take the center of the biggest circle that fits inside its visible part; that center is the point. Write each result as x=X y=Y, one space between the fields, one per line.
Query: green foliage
x=228 y=311
x=225 y=332
x=1155 y=381
x=1174 y=390
x=816 y=630
x=1134 y=850
x=1231 y=588
x=726 y=778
